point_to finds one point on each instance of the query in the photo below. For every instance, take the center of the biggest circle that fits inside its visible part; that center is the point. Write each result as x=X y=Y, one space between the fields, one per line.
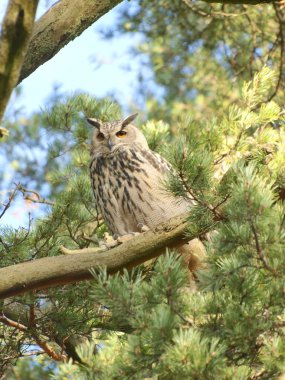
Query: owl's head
x=111 y=137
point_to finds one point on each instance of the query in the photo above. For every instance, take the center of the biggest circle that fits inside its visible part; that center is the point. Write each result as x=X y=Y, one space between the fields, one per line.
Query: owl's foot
x=109 y=241
x=122 y=239
x=113 y=241
x=143 y=228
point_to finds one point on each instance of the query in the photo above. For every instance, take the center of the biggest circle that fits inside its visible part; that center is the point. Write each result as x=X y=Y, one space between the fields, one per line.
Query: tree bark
x=16 y=31
x=63 y=269
x=62 y=23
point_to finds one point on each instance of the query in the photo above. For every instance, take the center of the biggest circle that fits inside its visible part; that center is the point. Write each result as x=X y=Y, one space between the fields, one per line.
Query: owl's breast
x=128 y=189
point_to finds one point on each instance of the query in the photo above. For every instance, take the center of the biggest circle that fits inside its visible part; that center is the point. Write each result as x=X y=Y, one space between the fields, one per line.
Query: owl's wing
x=166 y=167
x=160 y=164
x=154 y=200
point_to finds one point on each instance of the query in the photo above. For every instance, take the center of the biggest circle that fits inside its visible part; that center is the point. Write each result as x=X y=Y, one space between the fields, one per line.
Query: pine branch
x=15 y=34
x=62 y=23
x=24 y=315
x=59 y=270
x=36 y=199
x=40 y=342
x=8 y=204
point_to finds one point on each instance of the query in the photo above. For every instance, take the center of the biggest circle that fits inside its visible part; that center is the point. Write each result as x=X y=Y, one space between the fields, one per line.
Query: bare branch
x=38 y=198
x=53 y=271
x=9 y=322
x=16 y=31
x=40 y=342
x=14 y=311
x=8 y=204
x=48 y=349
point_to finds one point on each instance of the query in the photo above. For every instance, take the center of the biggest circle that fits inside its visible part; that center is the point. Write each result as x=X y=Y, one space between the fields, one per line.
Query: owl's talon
x=143 y=228
x=107 y=237
x=109 y=241
x=108 y=245
x=122 y=239
x=112 y=241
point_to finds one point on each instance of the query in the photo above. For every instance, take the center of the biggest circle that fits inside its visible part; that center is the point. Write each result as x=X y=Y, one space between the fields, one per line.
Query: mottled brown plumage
x=128 y=184
x=128 y=179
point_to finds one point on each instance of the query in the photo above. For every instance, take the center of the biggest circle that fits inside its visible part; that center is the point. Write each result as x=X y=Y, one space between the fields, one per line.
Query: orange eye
x=121 y=134
x=100 y=136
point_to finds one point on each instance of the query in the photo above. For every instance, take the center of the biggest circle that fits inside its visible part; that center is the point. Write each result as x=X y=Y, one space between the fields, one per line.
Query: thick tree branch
x=62 y=23
x=15 y=34
x=59 y=270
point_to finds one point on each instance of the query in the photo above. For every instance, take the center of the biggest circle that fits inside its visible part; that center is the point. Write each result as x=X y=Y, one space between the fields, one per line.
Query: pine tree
x=146 y=323
x=221 y=125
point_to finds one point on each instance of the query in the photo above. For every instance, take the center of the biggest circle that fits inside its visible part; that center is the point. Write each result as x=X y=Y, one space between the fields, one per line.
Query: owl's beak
x=110 y=144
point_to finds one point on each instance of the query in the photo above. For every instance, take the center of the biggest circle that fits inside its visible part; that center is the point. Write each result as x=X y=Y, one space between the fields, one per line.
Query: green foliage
x=197 y=50
x=158 y=345
x=225 y=139
x=29 y=369
x=232 y=327
x=147 y=323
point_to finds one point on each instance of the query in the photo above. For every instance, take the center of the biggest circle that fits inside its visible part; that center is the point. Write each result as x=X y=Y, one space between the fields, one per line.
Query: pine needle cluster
x=147 y=324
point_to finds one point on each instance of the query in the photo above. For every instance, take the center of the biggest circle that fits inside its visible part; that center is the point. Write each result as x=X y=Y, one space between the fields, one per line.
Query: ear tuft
x=96 y=123
x=129 y=119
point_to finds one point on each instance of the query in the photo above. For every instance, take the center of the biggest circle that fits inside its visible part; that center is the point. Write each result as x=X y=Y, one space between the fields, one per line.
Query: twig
x=41 y=343
x=32 y=316
x=48 y=349
x=234 y=147
x=39 y=198
x=9 y=322
x=8 y=204
x=221 y=202
x=260 y=251
x=33 y=353
x=213 y=209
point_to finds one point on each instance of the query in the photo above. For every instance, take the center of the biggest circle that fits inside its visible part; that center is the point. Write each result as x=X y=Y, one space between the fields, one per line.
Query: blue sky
x=89 y=63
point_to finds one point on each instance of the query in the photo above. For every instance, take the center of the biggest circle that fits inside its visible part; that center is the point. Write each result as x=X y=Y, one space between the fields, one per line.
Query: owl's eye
x=100 y=136
x=121 y=134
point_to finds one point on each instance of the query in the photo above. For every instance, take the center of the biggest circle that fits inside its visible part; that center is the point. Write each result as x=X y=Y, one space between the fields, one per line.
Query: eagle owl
x=128 y=179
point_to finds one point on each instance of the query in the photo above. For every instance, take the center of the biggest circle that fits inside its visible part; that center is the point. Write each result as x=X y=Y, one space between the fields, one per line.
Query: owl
x=128 y=179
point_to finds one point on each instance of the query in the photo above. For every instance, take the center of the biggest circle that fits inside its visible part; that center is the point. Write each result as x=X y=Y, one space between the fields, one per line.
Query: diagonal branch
x=59 y=270
x=14 y=312
x=62 y=23
x=40 y=342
